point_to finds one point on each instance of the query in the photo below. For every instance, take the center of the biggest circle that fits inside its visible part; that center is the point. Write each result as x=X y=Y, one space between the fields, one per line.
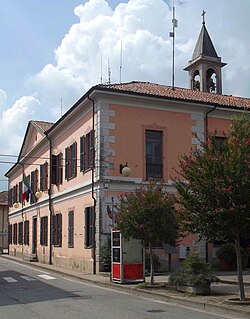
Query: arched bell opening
x=211 y=81
x=196 y=81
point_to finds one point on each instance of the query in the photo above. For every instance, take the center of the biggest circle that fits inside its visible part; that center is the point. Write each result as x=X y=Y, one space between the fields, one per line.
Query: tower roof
x=204 y=46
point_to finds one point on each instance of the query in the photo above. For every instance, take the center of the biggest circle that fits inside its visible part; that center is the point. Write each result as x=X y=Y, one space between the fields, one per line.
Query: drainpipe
x=50 y=200
x=92 y=186
x=206 y=139
x=206 y=122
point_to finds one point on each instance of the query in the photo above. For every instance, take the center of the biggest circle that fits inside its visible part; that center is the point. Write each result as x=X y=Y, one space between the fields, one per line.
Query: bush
x=193 y=271
x=227 y=252
x=105 y=256
x=156 y=262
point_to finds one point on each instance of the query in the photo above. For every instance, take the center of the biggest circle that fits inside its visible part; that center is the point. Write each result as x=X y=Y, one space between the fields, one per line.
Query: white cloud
x=143 y=26
x=3 y=97
x=13 y=122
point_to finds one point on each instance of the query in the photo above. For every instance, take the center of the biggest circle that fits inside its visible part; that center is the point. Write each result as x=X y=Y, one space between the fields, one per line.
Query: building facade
x=75 y=167
x=4 y=208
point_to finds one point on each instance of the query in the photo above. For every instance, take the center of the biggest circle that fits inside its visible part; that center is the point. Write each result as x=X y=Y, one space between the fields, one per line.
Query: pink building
x=74 y=167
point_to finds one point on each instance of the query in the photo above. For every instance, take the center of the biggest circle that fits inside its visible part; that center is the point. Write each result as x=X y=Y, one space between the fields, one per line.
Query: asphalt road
x=31 y=293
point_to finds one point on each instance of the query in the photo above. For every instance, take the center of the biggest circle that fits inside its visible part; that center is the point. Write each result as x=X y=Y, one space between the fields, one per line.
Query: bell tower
x=205 y=66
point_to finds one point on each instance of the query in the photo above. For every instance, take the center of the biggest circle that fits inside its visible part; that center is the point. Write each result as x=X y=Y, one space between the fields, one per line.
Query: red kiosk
x=128 y=259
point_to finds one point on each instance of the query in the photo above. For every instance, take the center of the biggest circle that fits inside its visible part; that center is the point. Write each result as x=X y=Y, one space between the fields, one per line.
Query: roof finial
x=203 y=15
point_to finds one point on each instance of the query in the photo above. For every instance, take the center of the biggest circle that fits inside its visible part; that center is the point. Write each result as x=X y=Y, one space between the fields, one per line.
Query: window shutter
x=60 y=169
x=91 y=148
x=32 y=184
x=26 y=232
x=10 y=197
x=15 y=234
x=54 y=168
x=66 y=163
x=74 y=159
x=82 y=153
x=54 y=231
x=41 y=232
x=86 y=228
x=89 y=227
x=46 y=166
x=59 y=223
x=46 y=231
x=10 y=234
x=35 y=183
x=20 y=191
x=41 y=178
x=71 y=229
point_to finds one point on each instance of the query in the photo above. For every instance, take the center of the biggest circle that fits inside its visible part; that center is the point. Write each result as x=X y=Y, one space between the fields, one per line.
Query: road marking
x=28 y=278
x=9 y=279
x=22 y=265
x=47 y=277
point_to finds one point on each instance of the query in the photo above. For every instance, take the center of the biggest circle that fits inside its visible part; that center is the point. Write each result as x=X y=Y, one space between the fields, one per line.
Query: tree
x=214 y=189
x=148 y=215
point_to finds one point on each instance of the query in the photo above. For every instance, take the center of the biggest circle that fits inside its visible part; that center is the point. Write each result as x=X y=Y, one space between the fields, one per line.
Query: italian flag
x=26 y=189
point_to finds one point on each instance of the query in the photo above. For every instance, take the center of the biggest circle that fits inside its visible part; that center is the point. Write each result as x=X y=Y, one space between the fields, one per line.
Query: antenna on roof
x=109 y=73
x=121 y=63
x=172 y=35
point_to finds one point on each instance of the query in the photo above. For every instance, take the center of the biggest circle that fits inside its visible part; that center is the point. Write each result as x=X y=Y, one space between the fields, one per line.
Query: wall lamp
x=38 y=194
x=125 y=169
x=16 y=205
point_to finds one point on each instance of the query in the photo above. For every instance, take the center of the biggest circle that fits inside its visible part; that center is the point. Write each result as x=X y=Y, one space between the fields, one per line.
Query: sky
x=52 y=52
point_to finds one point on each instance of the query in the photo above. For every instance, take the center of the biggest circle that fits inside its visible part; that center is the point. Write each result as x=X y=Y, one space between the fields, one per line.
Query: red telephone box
x=128 y=259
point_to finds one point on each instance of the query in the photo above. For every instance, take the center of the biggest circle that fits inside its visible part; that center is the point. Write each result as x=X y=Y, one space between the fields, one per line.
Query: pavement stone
x=217 y=300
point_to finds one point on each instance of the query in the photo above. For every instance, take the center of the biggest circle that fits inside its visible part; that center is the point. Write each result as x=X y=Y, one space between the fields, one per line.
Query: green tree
x=214 y=189
x=148 y=215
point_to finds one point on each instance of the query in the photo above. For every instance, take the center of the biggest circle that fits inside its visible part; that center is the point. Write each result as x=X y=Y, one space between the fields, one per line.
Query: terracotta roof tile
x=163 y=91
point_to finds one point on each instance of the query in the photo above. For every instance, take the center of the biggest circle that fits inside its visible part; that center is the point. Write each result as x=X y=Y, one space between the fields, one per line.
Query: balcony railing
x=154 y=171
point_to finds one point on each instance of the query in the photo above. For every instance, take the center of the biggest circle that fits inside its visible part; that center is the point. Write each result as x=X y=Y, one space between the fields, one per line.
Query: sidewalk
x=217 y=301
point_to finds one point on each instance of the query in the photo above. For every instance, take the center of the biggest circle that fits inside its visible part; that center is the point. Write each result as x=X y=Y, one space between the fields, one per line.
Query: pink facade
x=78 y=173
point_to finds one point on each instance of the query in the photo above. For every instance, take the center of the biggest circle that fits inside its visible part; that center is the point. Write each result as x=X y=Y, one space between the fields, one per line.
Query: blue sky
x=30 y=32
x=50 y=51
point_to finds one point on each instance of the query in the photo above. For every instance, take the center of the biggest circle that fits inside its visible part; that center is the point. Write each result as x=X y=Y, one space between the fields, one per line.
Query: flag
x=26 y=189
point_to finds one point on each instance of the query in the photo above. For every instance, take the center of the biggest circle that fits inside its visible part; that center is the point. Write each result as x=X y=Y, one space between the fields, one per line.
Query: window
x=10 y=197
x=33 y=186
x=87 y=151
x=20 y=192
x=20 y=233
x=26 y=233
x=70 y=161
x=154 y=160
x=58 y=230
x=89 y=227
x=71 y=229
x=44 y=177
x=13 y=195
x=57 y=169
x=15 y=234
x=10 y=234
x=219 y=142
x=44 y=231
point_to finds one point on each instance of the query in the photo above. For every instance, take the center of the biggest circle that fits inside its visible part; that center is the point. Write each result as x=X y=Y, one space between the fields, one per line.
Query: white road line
x=25 y=266
x=47 y=277
x=9 y=279
x=28 y=278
